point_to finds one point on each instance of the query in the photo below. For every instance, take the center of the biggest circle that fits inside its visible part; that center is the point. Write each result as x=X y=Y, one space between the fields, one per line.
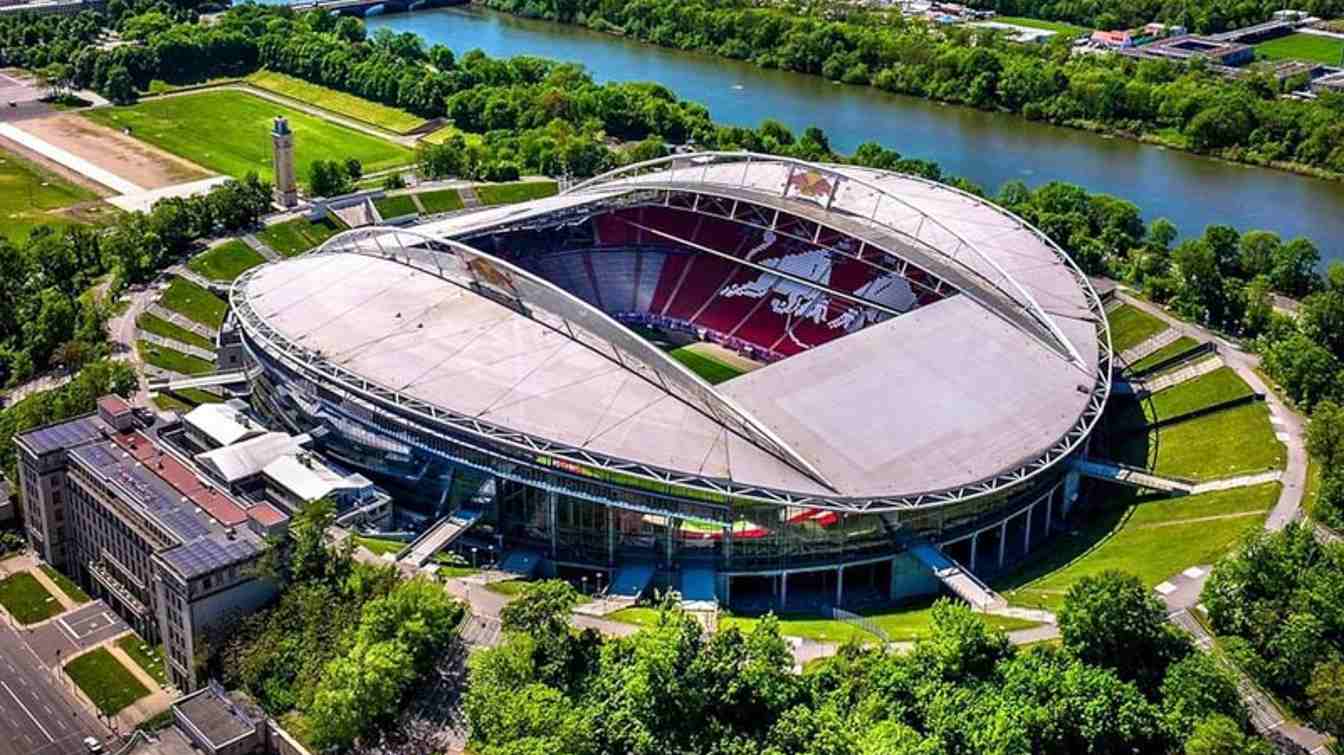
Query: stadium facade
x=920 y=368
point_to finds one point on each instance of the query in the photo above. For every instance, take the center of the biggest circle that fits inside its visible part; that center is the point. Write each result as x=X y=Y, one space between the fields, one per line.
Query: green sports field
x=28 y=193
x=1069 y=30
x=1309 y=47
x=704 y=365
x=228 y=131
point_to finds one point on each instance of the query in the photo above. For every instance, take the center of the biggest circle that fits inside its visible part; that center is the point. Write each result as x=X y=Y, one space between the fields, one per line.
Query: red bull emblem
x=810 y=184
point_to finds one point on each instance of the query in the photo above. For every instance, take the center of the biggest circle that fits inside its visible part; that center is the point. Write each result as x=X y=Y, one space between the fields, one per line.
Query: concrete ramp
x=440 y=536
x=956 y=578
x=1134 y=477
x=200 y=381
x=631 y=581
x=697 y=582
x=521 y=562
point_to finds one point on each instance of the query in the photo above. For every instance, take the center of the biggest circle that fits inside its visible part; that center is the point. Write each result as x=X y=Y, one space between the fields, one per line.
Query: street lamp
x=585 y=584
x=473 y=556
x=490 y=558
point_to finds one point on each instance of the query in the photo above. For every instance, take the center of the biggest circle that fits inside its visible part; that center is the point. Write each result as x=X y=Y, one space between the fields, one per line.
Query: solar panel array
x=75 y=432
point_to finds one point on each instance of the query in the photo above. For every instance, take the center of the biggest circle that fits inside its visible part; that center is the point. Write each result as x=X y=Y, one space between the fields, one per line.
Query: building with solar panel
x=754 y=380
x=116 y=508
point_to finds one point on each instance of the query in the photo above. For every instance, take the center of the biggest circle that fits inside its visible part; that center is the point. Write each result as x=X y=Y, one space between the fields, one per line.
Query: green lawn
x=194 y=303
x=226 y=261
x=198 y=396
x=395 y=207
x=28 y=192
x=1069 y=30
x=161 y=327
x=902 y=624
x=1223 y=384
x=712 y=370
x=509 y=586
x=298 y=236
x=173 y=360
x=1153 y=537
x=1311 y=47
x=71 y=590
x=444 y=200
x=348 y=105
x=447 y=132
x=515 y=192
x=379 y=546
x=1131 y=326
x=228 y=131
x=1182 y=344
x=105 y=680
x=26 y=599
x=149 y=658
x=1227 y=443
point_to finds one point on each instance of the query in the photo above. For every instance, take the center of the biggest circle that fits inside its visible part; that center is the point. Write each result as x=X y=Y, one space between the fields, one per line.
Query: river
x=987 y=148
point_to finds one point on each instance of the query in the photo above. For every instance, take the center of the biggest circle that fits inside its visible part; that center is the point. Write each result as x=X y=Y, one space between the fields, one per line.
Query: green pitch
x=229 y=132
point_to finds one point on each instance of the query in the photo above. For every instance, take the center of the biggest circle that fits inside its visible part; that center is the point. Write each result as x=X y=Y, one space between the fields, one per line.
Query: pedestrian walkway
x=1139 y=351
x=1110 y=471
x=1171 y=378
x=209 y=284
x=182 y=321
x=1242 y=481
x=176 y=345
x=469 y=197
x=260 y=247
x=956 y=578
x=439 y=536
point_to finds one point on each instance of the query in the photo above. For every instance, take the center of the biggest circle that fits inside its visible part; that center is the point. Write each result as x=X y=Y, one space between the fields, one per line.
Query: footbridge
x=371 y=7
x=438 y=537
x=957 y=578
x=1135 y=477
x=211 y=380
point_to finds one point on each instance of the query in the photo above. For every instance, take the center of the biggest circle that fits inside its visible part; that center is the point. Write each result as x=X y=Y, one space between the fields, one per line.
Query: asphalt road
x=36 y=717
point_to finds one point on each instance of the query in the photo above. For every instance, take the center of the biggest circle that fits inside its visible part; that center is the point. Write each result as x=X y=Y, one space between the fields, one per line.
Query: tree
x=1195 y=688
x=354 y=169
x=328 y=178
x=119 y=88
x=1111 y=620
x=1326 y=693
x=1325 y=435
x=1219 y=735
x=1294 y=268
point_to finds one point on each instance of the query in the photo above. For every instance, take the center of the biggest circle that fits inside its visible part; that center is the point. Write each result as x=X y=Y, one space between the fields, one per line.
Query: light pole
x=473 y=556
x=584 y=580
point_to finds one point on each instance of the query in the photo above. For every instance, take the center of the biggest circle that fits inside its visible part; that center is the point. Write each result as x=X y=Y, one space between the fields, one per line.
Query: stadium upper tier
x=922 y=345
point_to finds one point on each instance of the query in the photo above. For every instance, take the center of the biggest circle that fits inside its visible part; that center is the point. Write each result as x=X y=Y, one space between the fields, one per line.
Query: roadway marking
x=36 y=723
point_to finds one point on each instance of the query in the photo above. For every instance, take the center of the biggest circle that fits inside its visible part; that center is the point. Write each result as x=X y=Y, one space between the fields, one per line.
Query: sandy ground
x=53 y=166
x=113 y=151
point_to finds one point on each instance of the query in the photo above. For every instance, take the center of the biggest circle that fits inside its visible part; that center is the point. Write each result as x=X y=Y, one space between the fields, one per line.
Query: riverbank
x=987 y=148
x=1234 y=155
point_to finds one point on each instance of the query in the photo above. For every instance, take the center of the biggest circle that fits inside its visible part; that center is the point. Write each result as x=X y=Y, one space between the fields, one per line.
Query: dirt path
x=113 y=151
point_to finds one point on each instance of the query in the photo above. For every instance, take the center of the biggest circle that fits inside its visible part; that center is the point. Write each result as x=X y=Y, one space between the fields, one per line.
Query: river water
x=987 y=148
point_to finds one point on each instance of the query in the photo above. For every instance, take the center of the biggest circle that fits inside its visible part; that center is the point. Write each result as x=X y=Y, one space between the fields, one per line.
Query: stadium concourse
x=920 y=369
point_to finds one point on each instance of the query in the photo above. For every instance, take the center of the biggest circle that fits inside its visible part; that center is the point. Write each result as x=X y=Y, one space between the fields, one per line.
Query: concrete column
x=975 y=546
x=1072 y=482
x=671 y=538
x=1026 y=540
x=1049 y=512
x=611 y=536
x=728 y=544
x=1003 y=540
x=784 y=590
x=840 y=586
x=551 y=501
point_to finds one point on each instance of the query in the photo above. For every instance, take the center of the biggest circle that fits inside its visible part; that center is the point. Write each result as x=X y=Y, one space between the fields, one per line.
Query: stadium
x=752 y=379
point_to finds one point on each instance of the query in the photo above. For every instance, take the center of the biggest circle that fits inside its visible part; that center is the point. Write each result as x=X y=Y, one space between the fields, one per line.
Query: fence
x=855 y=620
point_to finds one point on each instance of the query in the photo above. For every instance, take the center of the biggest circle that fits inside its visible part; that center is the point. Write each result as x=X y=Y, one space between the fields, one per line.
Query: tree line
x=1205 y=16
x=1122 y=680
x=1185 y=106
x=1277 y=604
x=51 y=313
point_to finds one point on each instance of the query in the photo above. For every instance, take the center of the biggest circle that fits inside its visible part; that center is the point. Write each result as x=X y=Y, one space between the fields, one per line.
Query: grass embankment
x=520 y=191
x=1151 y=536
x=149 y=659
x=71 y=590
x=161 y=327
x=173 y=360
x=1069 y=30
x=903 y=624
x=297 y=236
x=508 y=586
x=1180 y=345
x=443 y=200
x=396 y=206
x=380 y=546
x=219 y=129
x=26 y=599
x=1223 y=384
x=1310 y=47
x=1131 y=326
x=105 y=680
x=28 y=194
x=194 y=303
x=226 y=261
x=1226 y=443
x=712 y=370
x=341 y=103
